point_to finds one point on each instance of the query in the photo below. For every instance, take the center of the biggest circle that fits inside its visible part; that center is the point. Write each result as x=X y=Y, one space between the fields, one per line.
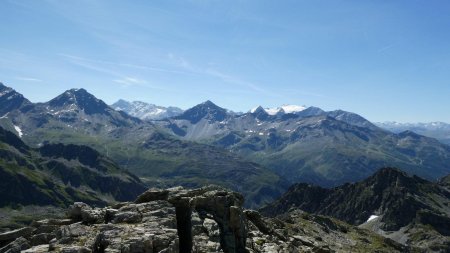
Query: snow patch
x=253 y=110
x=5 y=92
x=292 y=108
x=372 y=217
x=4 y=116
x=18 y=130
x=272 y=111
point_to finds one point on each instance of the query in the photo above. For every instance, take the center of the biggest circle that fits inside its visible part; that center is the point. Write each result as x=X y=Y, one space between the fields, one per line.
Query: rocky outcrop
x=177 y=220
x=214 y=206
x=208 y=219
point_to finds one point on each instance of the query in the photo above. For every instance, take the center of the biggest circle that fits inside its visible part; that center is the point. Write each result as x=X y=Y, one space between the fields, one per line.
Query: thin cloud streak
x=29 y=79
x=188 y=66
x=129 y=81
x=385 y=48
x=125 y=80
x=235 y=80
x=142 y=67
x=305 y=93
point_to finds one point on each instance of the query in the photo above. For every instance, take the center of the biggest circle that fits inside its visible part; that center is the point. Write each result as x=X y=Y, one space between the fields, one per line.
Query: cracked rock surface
x=208 y=219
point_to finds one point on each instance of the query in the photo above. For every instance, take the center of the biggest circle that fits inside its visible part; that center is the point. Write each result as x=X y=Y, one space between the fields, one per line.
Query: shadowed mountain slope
x=60 y=174
x=390 y=202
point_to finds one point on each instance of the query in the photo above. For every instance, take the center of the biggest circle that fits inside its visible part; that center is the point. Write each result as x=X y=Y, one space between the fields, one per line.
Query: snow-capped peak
x=253 y=110
x=281 y=109
x=145 y=110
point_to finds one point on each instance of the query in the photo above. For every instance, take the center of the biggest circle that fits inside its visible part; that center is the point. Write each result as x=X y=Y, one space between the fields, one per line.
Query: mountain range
x=311 y=145
x=437 y=130
x=207 y=144
x=405 y=208
x=143 y=148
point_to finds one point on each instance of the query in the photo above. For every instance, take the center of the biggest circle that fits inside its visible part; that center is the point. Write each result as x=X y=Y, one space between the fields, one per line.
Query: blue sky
x=386 y=60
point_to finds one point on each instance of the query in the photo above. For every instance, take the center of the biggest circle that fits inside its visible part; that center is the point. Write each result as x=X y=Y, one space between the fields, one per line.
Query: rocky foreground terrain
x=209 y=219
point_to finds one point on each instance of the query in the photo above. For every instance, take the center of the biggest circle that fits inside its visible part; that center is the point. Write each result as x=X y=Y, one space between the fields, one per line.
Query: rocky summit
x=208 y=219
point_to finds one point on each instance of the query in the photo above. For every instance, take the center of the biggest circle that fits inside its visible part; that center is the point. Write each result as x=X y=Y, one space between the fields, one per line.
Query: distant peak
x=80 y=98
x=258 y=109
x=208 y=103
x=206 y=109
x=78 y=91
x=123 y=101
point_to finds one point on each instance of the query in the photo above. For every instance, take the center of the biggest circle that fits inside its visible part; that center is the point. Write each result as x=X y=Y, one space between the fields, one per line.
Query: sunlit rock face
x=208 y=219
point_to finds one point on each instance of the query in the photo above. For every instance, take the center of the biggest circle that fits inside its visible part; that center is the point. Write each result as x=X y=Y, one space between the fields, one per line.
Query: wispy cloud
x=130 y=81
x=28 y=79
x=135 y=66
x=213 y=72
x=235 y=80
x=125 y=80
x=304 y=93
x=387 y=47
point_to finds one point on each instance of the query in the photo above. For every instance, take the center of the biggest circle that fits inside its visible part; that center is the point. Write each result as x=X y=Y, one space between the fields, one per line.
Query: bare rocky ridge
x=208 y=219
x=408 y=209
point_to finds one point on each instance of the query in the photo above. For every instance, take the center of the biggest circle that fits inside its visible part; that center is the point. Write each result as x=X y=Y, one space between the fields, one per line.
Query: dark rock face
x=206 y=110
x=398 y=201
x=260 y=113
x=12 y=140
x=81 y=99
x=389 y=191
x=11 y=100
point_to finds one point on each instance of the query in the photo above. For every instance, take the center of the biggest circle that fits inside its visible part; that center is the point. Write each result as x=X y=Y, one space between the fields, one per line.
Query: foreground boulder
x=208 y=219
